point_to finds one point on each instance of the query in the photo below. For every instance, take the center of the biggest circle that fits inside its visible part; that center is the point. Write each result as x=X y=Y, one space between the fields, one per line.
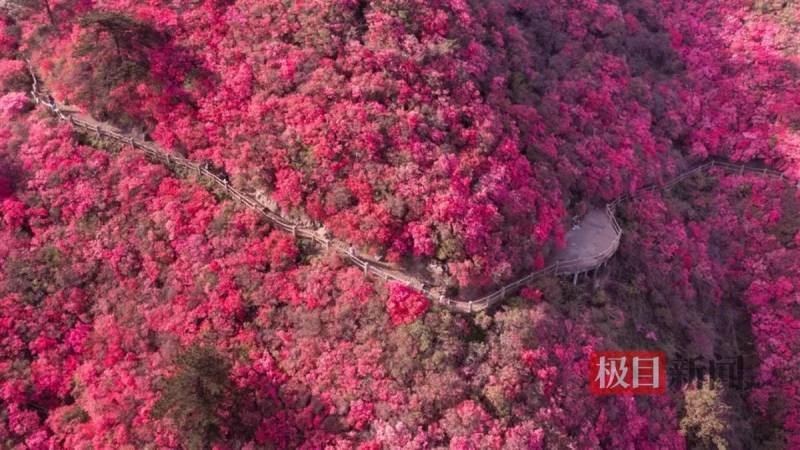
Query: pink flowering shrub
x=405 y=304
x=452 y=138
x=13 y=104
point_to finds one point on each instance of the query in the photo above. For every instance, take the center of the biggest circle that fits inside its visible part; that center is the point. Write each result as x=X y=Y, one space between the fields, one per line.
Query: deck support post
x=575 y=279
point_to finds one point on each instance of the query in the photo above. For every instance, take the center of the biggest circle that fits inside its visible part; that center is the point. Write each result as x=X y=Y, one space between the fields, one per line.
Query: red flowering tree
x=405 y=304
x=452 y=138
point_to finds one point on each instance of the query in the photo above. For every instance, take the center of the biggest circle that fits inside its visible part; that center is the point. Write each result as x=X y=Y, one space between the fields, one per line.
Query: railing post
x=469 y=306
x=503 y=292
x=366 y=268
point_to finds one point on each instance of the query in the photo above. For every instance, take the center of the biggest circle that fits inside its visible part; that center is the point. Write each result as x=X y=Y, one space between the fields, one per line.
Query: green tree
x=707 y=418
x=194 y=397
x=112 y=51
x=118 y=45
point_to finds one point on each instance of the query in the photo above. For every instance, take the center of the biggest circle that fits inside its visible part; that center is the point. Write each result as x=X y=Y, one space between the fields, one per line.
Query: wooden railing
x=570 y=267
x=562 y=267
x=369 y=266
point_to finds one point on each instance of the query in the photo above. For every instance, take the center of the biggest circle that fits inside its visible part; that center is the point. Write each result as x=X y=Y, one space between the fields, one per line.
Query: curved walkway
x=590 y=242
x=588 y=246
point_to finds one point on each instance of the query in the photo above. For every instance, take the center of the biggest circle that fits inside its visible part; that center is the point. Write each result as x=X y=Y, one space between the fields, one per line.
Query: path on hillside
x=589 y=242
x=588 y=245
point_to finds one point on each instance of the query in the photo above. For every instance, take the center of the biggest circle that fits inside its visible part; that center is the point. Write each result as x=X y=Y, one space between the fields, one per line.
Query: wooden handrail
x=563 y=267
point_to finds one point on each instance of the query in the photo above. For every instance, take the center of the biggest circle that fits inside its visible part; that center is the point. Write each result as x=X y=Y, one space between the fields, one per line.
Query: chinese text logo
x=619 y=372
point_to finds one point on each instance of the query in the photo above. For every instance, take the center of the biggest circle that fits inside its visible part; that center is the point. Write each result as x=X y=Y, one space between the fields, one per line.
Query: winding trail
x=590 y=242
x=589 y=245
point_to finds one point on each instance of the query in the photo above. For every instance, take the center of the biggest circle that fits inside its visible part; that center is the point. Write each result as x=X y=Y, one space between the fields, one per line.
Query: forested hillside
x=454 y=139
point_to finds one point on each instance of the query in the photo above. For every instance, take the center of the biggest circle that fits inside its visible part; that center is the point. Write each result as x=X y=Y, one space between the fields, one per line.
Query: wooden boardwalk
x=588 y=245
x=589 y=242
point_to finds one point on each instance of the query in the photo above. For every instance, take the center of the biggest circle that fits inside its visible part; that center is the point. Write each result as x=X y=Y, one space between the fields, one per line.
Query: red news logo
x=621 y=372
